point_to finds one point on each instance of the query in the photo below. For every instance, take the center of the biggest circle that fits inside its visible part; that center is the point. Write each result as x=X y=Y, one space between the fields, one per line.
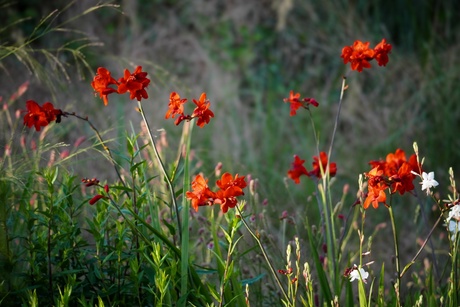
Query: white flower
x=454 y=228
x=358 y=274
x=454 y=213
x=428 y=182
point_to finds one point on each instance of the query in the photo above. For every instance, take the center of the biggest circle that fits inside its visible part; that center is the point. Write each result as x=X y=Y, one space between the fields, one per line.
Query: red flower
x=202 y=111
x=101 y=83
x=376 y=187
x=394 y=173
x=381 y=52
x=176 y=105
x=227 y=198
x=359 y=55
x=317 y=168
x=91 y=182
x=134 y=83
x=201 y=194
x=41 y=116
x=228 y=181
x=296 y=102
x=229 y=189
x=297 y=169
x=94 y=200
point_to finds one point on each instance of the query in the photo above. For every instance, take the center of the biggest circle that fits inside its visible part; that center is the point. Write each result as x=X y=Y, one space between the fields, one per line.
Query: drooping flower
x=316 y=171
x=359 y=55
x=95 y=199
x=202 y=111
x=40 y=116
x=296 y=102
x=134 y=83
x=95 y=182
x=176 y=105
x=297 y=169
x=381 y=52
x=101 y=83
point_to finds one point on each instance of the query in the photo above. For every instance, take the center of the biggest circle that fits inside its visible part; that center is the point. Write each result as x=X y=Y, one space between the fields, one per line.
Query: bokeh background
x=247 y=55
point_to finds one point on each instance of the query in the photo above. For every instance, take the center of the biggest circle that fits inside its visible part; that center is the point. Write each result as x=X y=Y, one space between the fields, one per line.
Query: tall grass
x=141 y=244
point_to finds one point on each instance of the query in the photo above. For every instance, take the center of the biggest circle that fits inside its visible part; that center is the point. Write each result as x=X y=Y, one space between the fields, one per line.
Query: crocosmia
x=40 y=116
x=359 y=55
x=394 y=174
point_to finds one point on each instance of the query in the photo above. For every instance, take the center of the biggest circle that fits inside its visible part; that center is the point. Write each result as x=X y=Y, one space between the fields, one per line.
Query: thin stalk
x=398 y=269
x=101 y=140
x=264 y=253
x=50 y=272
x=162 y=167
x=344 y=79
x=224 y=278
x=327 y=202
x=422 y=247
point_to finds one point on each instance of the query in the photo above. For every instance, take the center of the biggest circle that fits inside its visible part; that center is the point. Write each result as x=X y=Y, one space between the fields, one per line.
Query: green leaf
x=250 y=281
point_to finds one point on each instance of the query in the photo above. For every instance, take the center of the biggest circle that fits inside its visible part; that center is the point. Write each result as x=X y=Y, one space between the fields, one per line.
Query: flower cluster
x=359 y=54
x=319 y=166
x=395 y=173
x=296 y=102
x=135 y=83
x=229 y=188
x=40 y=116
x=202 y=111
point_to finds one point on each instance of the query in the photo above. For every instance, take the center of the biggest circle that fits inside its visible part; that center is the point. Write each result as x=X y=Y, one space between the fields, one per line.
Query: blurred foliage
x=248 y=54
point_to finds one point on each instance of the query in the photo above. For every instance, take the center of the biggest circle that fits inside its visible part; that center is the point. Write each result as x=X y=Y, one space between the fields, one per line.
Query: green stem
x=344 y=79
x=264 y=253
x=162 y=167
x=398 y=269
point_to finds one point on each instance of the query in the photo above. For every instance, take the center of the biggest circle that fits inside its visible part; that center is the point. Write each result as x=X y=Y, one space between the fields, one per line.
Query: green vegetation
x=142 y=243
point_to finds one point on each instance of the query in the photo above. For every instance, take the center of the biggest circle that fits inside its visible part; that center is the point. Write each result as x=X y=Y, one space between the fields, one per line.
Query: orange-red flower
x=359 y=54
x=376 y=188
x=297 y=169
x=176 y=105
x=394 y=173
x=101 y=83
x=40 y=116
x=201 y=194
x=316 y=171
x=134 y=83
x=381 y=52
x=296 y=102
x=228 y=181
x=202 y=111
x=229 y=188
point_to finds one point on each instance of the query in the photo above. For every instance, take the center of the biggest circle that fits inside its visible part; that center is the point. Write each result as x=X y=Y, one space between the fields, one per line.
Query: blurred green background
x=247 y=56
